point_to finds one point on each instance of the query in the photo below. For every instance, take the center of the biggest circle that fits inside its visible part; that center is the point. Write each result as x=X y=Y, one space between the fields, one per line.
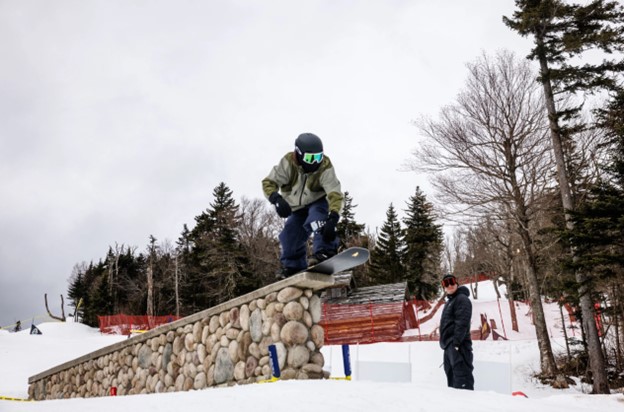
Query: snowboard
x=345 y=260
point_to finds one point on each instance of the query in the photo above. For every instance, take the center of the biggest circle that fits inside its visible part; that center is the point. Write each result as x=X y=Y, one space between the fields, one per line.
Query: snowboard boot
x=285 y=272
x=320 y=256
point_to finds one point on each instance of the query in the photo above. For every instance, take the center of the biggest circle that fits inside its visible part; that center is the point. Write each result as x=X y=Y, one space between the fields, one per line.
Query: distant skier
x=304 y=188
x=18 y=326
x=455 y=335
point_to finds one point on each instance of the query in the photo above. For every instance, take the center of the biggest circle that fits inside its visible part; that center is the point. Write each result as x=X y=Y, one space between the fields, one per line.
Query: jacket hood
x=463 y=290
x=460 y=290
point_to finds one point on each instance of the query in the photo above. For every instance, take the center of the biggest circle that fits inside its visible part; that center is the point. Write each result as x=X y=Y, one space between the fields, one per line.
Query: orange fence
x=123 y=324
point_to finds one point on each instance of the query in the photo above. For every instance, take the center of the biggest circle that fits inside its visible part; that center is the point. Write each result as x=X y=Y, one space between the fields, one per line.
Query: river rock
x=287 y=294
x=294 y=333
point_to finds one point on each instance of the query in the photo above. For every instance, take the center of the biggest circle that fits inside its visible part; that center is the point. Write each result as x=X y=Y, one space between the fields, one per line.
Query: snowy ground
x=388 y=376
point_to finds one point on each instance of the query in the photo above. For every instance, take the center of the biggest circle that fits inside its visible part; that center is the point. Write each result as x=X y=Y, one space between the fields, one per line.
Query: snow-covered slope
x=422 y=389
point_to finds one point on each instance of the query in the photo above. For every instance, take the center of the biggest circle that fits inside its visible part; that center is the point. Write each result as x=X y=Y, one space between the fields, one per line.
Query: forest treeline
x=233 y=249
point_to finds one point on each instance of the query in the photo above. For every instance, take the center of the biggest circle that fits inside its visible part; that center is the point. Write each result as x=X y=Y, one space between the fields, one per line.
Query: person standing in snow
x=455 y=335
x=304 y=189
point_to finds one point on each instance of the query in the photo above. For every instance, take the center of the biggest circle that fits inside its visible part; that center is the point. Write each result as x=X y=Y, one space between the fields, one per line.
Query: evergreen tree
x=77 y=292
x=389 y=252
x=598 y=234
x=348 y=230
x=563 y=33
x=215 y=262
x=423 y=240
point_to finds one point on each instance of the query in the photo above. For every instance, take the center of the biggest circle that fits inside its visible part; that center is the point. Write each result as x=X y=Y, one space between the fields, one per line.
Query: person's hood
x=461 y=289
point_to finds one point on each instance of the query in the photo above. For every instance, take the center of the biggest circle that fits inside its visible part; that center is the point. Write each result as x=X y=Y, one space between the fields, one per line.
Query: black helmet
x=309 y=151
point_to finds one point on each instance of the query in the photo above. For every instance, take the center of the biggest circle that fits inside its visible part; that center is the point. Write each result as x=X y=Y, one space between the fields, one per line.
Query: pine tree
x=389 y=252
x=563 y=33
x=348 y=230
x=77 y=292
x=423 y=240
x=215 y=263
x=598 y=233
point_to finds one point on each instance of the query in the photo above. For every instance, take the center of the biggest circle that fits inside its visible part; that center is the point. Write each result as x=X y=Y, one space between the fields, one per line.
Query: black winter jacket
x=455 y=321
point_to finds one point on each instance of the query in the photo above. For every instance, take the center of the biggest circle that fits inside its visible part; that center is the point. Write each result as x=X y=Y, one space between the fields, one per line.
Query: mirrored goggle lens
x=449 y=282
x=312 y=158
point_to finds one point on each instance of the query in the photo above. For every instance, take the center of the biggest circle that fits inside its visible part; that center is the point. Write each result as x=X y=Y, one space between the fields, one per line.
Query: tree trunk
x=547 y=358
x=514 y=315
x=62 y=317
x=150 y=290
x=177 y=285
x=596 y=357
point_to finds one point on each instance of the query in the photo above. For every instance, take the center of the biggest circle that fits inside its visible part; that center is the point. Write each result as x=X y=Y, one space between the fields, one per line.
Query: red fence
x=122 y=324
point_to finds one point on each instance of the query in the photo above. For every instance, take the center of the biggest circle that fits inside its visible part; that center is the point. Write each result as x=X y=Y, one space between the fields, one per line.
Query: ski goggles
x=310 y=158
x=449 y=282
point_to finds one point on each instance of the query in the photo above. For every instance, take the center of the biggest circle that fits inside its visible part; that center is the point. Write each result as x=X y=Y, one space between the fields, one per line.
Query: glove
x=329 y=229
x=281 y=206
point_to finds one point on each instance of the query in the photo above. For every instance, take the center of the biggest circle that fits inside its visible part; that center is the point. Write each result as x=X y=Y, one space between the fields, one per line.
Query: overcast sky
x=118 y=117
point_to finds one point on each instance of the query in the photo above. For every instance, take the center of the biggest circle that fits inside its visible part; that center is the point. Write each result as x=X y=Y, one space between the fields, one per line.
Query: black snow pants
x=458 y=366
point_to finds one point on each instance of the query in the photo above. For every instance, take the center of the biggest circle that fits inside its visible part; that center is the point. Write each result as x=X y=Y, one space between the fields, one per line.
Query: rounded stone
x=233 y=351
x=224 y=368
x=254 y=350
x=145 y=357
x=244 y=315
x=214 y=324
x=239 y=371
x=293 y=311
x=201 y=353
x=234 y=316
x=315 y=308
x=318 y=335
x=243 y=345
x=189 y=342
x=294 y=333
x=200 y=381
x=255 y=325
x=250 y=366
x=298 y=356
x=275 y=332
x=287 y=294
x=188 y=384
x=178 y=345
x=307 y=319
x=317 y=358
x=198 y=328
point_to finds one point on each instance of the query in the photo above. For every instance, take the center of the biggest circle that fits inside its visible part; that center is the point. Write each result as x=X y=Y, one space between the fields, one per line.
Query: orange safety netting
x=123 y=324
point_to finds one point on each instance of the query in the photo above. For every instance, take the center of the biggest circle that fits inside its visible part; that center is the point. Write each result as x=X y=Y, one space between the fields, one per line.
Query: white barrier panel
x=383 y=371
x=492 y=376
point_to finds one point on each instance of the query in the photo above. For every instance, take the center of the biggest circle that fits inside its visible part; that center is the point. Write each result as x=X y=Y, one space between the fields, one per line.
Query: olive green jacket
x=300 y=189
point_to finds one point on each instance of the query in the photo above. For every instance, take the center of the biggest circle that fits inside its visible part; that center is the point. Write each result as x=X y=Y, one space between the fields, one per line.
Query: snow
x=386 y=376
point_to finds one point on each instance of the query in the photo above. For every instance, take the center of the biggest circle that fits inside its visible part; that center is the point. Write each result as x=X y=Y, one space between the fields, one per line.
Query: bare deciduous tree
x=490 y=156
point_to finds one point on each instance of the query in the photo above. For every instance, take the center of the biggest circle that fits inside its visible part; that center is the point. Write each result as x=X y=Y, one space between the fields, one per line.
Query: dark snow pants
x=458 y=366
x=298 y=228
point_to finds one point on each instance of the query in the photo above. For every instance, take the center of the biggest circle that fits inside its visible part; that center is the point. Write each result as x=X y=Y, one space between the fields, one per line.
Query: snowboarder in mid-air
x=304 y=188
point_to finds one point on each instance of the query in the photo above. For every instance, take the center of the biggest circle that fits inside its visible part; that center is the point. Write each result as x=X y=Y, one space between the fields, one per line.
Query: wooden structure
x=363 y=315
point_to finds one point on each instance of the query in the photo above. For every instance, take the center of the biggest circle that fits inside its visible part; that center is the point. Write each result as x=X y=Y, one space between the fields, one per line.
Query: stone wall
x=221 y=346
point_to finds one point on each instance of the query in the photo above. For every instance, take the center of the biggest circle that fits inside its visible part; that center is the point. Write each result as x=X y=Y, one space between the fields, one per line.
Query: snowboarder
x=304 y=188
x=455 y=335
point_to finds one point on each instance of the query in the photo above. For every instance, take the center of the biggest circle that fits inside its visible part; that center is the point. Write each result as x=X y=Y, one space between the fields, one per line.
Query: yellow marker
x=7 y=398
x=273 y=379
